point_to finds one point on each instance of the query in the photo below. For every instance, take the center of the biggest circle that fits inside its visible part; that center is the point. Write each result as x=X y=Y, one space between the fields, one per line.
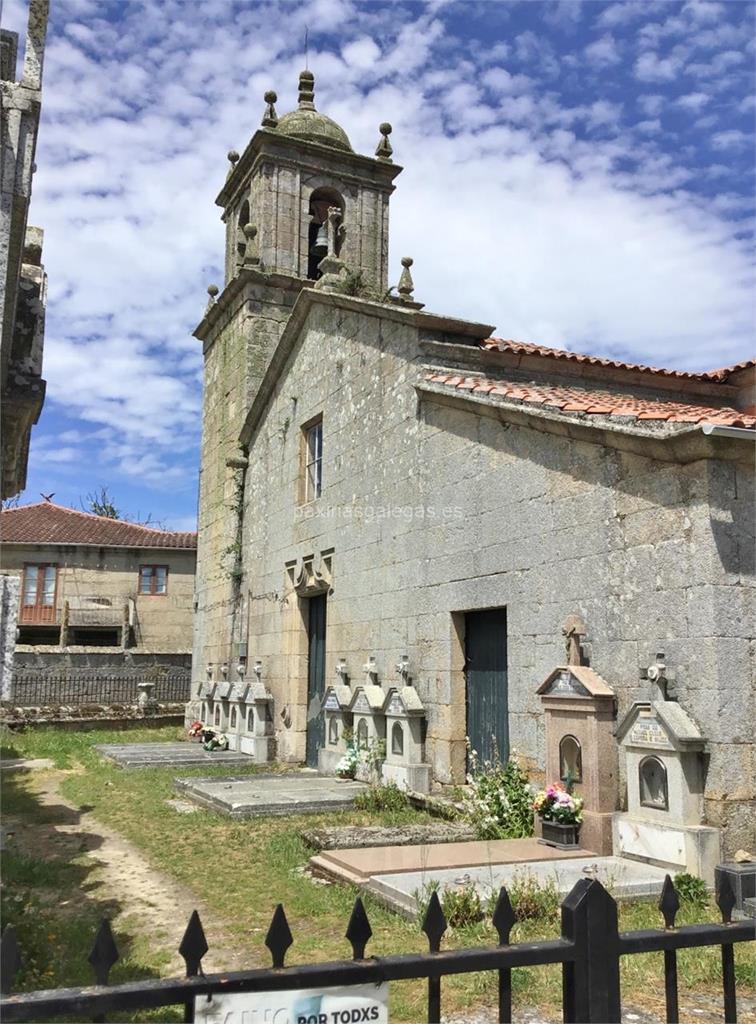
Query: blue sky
x=578 y=174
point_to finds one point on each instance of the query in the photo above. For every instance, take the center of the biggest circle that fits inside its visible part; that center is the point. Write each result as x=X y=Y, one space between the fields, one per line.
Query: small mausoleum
x=581 y=751
x=663 y=750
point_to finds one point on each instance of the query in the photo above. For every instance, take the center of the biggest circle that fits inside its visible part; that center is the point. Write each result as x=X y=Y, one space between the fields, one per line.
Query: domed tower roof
x=306 y=123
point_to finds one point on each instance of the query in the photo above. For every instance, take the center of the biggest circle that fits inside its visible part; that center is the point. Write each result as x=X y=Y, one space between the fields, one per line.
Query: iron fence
x=589 y=950
x=34 y=687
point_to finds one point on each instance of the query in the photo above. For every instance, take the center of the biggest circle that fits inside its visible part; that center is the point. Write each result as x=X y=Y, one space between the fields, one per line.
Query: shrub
x=382 y=796
x=499 y=804
x=533 y=900
x=691 y=889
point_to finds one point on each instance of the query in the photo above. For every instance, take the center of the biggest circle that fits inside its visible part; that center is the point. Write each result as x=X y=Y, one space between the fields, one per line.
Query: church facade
x=391 y=497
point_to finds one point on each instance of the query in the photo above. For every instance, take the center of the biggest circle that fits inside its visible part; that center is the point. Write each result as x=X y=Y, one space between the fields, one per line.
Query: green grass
x=244 y=868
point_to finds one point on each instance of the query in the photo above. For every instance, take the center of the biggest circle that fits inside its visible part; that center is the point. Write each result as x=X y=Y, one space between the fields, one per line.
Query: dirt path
x=144 y=900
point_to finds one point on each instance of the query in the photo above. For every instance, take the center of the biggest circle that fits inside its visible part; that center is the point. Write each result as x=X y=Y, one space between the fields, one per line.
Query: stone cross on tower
x=573 y=631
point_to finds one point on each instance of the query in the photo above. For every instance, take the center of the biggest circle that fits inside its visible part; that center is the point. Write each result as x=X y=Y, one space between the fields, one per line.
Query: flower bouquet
x=347 y=766
x=195 y=730
x=560 y=813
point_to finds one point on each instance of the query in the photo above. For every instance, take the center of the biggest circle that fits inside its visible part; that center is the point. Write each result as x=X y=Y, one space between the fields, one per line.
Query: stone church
x=395 y=500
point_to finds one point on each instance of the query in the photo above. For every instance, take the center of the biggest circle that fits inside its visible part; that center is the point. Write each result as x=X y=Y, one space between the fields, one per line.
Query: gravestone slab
x=267 y=795
x=351 y=837
x=163 y=755
x=624 y=878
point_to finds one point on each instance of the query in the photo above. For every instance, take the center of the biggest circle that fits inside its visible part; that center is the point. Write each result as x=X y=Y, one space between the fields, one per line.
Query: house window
x=153 y=579
x=39 y=585
x=313 y=460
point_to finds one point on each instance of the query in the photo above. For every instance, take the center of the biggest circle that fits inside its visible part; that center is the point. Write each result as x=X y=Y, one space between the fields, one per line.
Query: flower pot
x=556 y=833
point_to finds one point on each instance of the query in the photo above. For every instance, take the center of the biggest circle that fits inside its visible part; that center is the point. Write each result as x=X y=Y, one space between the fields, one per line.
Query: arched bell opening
x=321 y=200
x=652 y=779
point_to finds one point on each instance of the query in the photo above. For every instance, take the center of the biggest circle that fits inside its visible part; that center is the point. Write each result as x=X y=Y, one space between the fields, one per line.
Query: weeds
x=533 y=900
x=692 y=890
x=382 y=796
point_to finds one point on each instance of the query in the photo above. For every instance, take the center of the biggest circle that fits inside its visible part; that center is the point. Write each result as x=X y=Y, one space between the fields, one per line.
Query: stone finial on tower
x=384 y=150
x=306 y=90
x=251 y=259
x=212 y=291
x=406 y=285
x=270 y=117
x=233 y=158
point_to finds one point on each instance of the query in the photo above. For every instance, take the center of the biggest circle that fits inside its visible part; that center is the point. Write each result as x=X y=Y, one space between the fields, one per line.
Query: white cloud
x=693 y=101
x=650 y=67
x=362 y=53
x=603 y=52
x=732 y=139
x=560 y=221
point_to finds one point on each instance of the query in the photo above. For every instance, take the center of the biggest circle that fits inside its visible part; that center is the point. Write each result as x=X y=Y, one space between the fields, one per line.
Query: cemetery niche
x=368 y=721
x=581 y=752
x=664 y=756
x=242 y=712
x=405 y=736
x=338 y=721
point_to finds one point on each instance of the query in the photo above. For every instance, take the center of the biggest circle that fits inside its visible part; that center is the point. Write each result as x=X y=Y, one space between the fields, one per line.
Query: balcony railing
x=38 y=615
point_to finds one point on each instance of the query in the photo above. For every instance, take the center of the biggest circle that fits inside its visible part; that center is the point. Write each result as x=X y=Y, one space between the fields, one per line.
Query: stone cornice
x=218 y=314
x=266 y=143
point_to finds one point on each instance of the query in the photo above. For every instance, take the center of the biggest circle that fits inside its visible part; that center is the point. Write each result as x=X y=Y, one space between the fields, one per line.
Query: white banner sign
x=353 y=1004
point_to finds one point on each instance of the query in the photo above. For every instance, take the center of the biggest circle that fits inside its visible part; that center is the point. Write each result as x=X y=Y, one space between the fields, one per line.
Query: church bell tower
x=301 y=210
x=295 y=169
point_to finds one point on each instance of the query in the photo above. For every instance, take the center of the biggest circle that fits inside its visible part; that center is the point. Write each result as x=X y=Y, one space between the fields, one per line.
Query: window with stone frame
x=153 y=580
x=312 y=460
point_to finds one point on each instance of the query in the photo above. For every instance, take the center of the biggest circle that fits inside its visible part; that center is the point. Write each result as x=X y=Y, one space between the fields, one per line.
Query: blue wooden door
x=486 y=682
x=316 y=635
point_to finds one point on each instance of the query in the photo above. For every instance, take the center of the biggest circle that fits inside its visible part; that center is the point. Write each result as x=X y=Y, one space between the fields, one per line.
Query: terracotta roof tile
x=46 y=523
x=527 y=349
x=596 y=401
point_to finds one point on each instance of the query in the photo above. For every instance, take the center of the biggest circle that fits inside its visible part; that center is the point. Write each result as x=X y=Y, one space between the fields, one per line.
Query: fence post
x=591 y=982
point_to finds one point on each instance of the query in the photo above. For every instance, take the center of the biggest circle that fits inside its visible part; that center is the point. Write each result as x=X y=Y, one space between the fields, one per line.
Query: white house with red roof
x=388 y=494
x=93 y=584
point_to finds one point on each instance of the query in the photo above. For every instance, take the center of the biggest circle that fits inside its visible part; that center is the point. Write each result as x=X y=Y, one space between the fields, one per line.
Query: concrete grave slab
x=162 y=755
x=303 y=792
x=358 y=865
x=626 y=879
